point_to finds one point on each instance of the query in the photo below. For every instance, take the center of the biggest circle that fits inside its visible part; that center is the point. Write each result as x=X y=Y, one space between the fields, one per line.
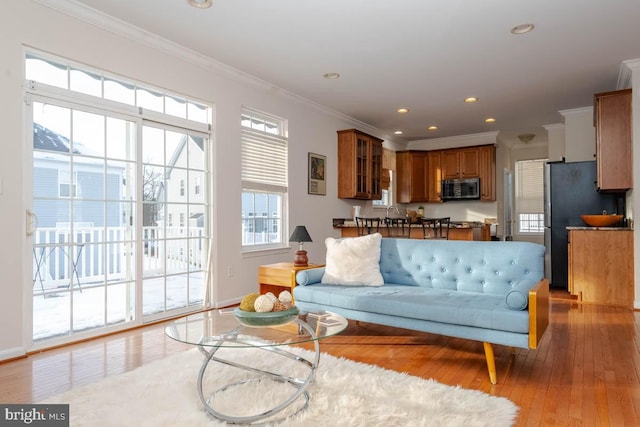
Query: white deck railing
x=96 y=253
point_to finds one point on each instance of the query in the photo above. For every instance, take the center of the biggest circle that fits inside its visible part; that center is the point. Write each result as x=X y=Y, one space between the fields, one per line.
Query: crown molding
x=124 y=29
x=627 y=68
x=576 y=111
x=554 y=126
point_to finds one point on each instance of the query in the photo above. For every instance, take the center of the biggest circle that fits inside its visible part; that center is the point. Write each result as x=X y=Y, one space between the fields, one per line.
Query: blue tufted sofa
x=493 y=292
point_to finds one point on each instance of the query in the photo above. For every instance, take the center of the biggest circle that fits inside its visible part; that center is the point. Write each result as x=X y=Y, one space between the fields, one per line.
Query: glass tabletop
x=221 y=328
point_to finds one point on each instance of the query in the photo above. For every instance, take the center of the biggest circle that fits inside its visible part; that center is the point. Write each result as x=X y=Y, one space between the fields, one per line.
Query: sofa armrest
x=309 y=276
x=538 y=312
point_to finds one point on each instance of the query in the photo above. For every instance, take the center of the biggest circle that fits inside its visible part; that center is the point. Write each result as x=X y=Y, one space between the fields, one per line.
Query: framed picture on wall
x=317 y=176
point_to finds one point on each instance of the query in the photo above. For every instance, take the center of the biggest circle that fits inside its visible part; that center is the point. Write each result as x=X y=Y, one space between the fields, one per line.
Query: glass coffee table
x=214 y=331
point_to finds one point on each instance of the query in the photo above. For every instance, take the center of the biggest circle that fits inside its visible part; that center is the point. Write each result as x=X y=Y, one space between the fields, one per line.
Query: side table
x=279 y=277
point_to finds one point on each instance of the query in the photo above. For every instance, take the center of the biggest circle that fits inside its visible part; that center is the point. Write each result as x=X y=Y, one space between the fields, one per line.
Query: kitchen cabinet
x=434 y=180
x=487 y=168
x=413 y=176
x=612 y=120
x=460 y=163
x=359 y=165
x=601 y=266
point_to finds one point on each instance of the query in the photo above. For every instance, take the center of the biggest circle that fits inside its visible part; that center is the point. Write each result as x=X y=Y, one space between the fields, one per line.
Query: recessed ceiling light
x=402 y=110
x=522 y=28
x=432 y=127
x=332 y=76
x=398 y=132
x=201 y=4
x=470 y=99
x=489 y=120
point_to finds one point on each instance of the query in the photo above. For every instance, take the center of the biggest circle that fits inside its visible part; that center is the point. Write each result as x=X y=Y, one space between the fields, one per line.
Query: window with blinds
x=264 y=180
x=530 y=196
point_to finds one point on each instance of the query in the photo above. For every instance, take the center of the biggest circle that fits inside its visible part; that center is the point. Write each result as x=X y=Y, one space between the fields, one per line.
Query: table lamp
x=300 y=235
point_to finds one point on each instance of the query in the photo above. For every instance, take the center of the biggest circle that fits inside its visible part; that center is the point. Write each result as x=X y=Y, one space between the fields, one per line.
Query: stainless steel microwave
x=460 y=189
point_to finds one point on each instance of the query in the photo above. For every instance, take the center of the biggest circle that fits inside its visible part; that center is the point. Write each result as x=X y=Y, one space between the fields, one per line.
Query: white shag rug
x=344 y=393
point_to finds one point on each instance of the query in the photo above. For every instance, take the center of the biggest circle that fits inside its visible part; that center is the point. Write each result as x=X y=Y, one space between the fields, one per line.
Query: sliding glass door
x=118 y=207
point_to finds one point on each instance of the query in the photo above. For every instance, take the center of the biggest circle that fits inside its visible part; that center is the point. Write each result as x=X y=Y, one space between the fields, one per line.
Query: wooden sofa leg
x=491 y=362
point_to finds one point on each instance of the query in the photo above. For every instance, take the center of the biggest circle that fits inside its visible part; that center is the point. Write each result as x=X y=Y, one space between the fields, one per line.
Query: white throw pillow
x=353 y=261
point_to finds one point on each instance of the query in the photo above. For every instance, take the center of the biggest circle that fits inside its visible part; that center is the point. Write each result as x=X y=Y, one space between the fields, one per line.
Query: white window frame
x=387 y=195
x=264 y=174
x=529 y=201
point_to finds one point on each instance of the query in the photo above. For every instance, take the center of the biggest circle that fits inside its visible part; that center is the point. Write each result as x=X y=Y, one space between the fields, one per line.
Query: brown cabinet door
x=359 y=165
x=460 y=163
x=601 y=266
x=450 y=164
x=487 y=168
x=434 y=182
x=412 y=179
x=469 y=163
x=375 y=171
x=613 y=140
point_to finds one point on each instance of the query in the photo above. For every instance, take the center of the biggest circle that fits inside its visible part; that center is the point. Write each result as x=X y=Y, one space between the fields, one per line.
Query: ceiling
x=425 y=55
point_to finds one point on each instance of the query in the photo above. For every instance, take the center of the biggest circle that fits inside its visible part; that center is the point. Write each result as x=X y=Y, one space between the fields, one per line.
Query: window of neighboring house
x=530 y=196
x=182 y=187
x=264 y=180
x=196 y=189
x=66 y=186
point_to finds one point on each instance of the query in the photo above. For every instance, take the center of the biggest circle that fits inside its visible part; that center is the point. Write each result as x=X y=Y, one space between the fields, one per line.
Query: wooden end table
x=280 y=277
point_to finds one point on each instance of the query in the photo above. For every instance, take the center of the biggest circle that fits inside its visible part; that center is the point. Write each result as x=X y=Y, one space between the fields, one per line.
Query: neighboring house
x=53 y=184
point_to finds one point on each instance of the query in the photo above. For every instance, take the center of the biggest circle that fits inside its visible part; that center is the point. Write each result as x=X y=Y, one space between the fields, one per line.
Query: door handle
x=32 y=222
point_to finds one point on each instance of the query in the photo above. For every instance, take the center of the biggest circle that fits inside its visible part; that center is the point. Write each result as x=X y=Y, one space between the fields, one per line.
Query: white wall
x=580 y=135
x=312 y=128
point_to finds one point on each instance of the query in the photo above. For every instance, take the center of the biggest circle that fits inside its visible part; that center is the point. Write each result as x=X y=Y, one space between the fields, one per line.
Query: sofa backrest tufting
x=487 y=267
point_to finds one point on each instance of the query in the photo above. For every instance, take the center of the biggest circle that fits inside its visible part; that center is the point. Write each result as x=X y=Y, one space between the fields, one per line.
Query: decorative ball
x=285 y=297
x=272 y=296
x=279 y=306
x=263 y=304
x=247 y=302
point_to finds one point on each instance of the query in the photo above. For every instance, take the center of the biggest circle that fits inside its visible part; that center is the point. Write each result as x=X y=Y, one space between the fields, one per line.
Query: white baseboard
x=12 y=353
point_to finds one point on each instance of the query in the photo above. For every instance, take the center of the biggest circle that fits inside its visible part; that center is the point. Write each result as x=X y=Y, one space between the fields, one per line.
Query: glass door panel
x=84 y=201
x=174 y=220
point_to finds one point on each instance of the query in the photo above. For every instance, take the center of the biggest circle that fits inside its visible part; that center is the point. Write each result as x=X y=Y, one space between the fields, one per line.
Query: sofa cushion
x=472 y=309
x=353 y=261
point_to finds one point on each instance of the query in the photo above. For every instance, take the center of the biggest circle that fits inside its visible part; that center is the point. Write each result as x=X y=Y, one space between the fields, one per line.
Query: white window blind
x=264 y=161
x=530 y=186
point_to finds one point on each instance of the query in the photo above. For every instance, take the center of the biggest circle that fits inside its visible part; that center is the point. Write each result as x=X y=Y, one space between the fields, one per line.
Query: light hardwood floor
x=586 y=371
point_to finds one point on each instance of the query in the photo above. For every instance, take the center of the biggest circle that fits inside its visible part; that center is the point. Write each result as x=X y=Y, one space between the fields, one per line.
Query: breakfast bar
x=459 y=230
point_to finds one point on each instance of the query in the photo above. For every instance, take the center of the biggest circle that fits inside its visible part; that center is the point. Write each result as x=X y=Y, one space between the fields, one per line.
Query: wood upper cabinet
x=487 y=167
x=460 y=163
x=434 y=181
x=413 y=177
x=612 y=120
x=359 y=165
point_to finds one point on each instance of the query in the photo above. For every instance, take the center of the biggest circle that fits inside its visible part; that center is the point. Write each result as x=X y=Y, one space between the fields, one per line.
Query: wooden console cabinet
x=601 y=266
x=359 y=165
x=612 y=120
x=279 y=277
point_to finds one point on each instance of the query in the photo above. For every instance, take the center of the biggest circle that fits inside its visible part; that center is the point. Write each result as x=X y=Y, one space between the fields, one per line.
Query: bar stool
x=398 y=228
x=367 y=225
x=436 y=228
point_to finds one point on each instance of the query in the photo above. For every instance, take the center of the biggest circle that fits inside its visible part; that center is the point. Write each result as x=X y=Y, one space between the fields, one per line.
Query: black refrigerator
x=570 y=191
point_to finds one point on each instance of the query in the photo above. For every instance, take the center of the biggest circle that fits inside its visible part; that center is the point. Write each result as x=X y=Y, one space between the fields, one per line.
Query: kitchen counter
x=600 y=228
